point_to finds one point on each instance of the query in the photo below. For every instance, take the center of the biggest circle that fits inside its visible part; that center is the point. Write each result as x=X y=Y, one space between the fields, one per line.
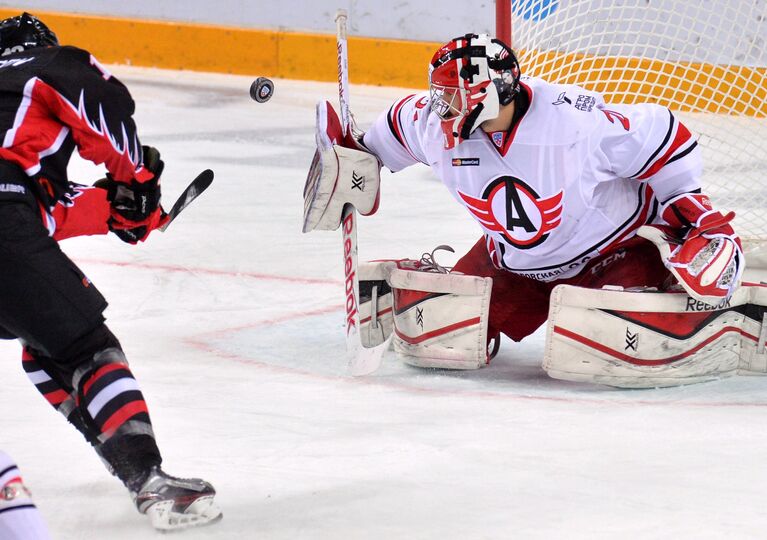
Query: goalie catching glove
x=699 y=247
x=342 y=172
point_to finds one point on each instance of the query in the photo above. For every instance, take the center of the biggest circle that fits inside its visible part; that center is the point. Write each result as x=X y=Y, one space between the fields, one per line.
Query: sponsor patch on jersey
x=514 y=210
x=562 y=99
x=12 y=188
x=14 y=62
x=465 y=162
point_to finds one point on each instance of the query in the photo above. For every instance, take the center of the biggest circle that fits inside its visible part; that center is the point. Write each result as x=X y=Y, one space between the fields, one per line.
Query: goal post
x=706 y=60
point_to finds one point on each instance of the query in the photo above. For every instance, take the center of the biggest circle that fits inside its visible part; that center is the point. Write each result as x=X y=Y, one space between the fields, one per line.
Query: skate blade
x=203 y=511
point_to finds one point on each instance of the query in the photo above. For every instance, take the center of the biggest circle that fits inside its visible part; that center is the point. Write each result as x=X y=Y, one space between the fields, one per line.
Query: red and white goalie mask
x=460 y=77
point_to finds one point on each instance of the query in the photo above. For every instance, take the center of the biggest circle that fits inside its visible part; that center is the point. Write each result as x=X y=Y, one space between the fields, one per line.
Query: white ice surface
x=232 y=322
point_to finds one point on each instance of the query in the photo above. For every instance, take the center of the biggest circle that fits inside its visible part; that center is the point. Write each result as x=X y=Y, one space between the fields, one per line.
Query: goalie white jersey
x=573 y=179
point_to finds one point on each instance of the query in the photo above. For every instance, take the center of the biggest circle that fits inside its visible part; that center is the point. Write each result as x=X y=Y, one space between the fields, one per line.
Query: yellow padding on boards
x=685 y=86
x=202 y=47
x=294 y=55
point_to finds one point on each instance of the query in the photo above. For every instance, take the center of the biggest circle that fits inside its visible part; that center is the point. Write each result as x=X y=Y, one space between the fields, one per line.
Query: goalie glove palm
x=699 y=246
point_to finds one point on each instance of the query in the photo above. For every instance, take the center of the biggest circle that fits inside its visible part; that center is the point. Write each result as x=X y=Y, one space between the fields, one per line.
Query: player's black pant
x=45 y=300
x=48 y=303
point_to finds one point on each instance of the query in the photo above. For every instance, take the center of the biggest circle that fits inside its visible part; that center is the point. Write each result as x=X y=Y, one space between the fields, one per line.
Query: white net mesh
x=704 y=59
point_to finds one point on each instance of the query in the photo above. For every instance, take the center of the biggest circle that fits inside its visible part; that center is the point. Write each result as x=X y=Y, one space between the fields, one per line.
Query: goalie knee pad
x=641 y=339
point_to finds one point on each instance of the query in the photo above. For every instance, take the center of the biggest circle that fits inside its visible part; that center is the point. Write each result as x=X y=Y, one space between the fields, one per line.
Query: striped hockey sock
x=113 y=408
x=38 y=369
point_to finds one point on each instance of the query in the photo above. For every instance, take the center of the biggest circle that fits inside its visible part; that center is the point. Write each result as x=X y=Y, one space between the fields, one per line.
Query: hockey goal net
x=704 y=59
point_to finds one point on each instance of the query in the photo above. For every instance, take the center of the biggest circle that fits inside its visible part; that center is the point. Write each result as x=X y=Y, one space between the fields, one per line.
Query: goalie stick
x=192 y=191
x=362 y=360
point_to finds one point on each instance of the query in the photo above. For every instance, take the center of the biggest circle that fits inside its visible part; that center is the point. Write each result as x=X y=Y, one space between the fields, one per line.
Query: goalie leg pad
x=753 y=354
x=440 y=320
x=649 y=339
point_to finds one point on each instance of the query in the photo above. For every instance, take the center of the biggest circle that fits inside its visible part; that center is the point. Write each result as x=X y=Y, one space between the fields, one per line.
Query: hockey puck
x=262 y=89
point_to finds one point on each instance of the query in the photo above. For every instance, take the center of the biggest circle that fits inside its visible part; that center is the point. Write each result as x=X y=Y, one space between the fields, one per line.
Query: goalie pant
x=520 y=305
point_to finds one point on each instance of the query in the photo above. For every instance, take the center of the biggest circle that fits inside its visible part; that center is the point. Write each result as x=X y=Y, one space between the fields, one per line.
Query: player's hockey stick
x=192 y=191
x=362 y=360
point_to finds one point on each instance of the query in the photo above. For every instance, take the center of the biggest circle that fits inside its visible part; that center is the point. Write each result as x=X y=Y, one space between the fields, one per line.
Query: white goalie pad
x=440 y=320
x=642 y=339
x=338 y=176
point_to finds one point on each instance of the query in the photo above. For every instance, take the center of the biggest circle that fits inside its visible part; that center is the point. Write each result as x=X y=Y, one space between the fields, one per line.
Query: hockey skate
x=176 y=503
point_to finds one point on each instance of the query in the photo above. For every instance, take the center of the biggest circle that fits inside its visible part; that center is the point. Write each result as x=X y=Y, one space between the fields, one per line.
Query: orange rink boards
x=389 y=62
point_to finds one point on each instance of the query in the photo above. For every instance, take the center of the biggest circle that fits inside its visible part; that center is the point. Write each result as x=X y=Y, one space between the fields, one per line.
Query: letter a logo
x=512 y=208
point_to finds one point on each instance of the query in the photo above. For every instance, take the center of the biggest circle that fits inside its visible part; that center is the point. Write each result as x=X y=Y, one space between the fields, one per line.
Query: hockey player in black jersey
x=55 y=100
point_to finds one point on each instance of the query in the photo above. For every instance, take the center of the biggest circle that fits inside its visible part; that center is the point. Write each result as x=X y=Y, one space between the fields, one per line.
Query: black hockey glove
x=137 y=200
x=135 y=206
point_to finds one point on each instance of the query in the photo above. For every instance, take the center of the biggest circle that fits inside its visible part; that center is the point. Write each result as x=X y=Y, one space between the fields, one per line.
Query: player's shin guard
x=113 y=407
x=41 y=372
x=441 y=319
x=650 y=339
x=61 y=399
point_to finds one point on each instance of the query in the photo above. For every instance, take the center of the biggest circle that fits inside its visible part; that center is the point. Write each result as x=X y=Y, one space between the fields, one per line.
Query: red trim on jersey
x=100 y=373
x=641 y=362
x=85 y=212
x=492 y=251
x=438 y=331
x=682 y=136
x=123 y=414
x=509 y=136
x=638 y=222
x=49 y=114
x=396 y=127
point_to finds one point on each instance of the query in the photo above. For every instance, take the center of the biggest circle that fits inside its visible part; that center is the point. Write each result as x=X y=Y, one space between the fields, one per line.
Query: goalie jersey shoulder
x=397 y=136
x=557 y=113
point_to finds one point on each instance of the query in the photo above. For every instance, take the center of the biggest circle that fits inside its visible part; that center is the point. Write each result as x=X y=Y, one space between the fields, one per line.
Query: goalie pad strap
x=649 y=339
x=376 y=315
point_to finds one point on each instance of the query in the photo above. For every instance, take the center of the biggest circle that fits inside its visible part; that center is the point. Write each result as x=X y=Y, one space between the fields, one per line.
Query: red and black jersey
x=54 y=100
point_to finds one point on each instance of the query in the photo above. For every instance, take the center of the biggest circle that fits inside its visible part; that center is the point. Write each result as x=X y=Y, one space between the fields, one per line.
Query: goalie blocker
x=342 y=172
x=644 y=339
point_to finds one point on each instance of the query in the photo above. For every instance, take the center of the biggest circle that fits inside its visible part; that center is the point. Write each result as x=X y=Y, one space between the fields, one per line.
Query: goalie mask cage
x=706 y=60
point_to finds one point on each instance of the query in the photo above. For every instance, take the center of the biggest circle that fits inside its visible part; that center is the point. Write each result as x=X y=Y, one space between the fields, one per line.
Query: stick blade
x=367 y=360
x=192 y=191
